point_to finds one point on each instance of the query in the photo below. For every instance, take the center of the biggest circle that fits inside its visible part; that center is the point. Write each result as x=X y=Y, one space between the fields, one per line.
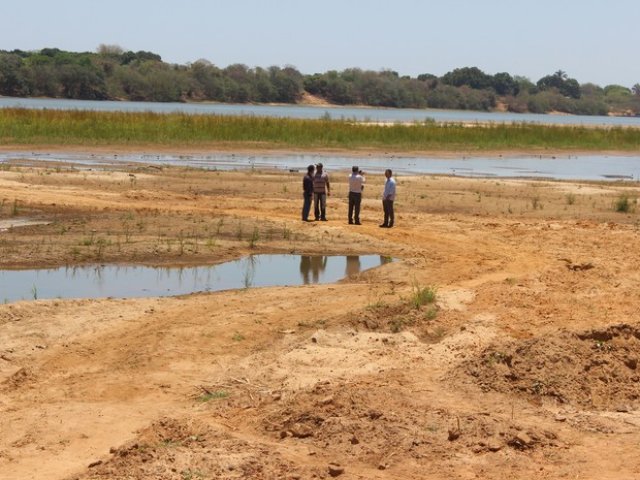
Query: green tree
x=560 y=81
x=286 y=84
x=81 y=82
x=505 y=84
x=42 y=80
x=470 y=76
x=209 y=83
x=12 y=79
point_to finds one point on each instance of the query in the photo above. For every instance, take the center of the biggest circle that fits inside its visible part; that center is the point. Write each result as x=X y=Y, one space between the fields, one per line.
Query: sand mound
x=597 y=369
x=178 y=449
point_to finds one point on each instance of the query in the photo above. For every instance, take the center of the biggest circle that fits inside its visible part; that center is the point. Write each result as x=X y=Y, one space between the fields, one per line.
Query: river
x=558 y=167
x=310 y=112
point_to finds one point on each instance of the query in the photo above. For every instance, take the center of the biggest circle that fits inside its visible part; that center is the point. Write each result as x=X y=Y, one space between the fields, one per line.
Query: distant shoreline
x=313 y=101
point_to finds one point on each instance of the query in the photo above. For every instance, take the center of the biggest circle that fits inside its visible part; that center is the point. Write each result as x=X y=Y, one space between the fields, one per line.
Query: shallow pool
x=137 y=281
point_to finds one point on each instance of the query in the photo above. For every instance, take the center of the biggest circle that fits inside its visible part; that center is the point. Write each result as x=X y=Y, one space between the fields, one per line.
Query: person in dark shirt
x=307 y=193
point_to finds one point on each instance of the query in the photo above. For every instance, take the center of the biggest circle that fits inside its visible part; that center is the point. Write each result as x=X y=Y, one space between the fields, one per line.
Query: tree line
x=112 y=73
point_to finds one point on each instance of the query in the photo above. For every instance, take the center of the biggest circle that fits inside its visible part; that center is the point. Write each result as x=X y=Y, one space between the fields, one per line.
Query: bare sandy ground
x=524 y=366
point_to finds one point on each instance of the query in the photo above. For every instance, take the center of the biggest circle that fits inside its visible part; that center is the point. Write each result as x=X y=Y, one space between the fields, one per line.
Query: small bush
x=431 y=313
x=622 y=204
x=422 y=296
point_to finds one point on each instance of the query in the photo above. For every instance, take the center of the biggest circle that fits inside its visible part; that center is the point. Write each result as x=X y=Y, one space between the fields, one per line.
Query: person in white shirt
x=356 y=185
x=388 y=197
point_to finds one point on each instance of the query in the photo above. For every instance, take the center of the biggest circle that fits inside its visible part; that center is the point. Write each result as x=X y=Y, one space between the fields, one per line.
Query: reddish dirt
x=523 y=366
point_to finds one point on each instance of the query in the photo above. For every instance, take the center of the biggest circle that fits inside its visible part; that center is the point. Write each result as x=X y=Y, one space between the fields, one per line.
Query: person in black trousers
x=388 y=197
x=356 y=185
x=307 y=192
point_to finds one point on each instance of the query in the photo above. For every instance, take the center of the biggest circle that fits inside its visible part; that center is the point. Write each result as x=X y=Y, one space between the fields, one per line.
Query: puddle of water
x=135 y=281
x=19 y=222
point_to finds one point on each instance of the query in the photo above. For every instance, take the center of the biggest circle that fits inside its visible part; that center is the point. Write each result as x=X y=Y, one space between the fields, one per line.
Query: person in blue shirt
x=388 y=197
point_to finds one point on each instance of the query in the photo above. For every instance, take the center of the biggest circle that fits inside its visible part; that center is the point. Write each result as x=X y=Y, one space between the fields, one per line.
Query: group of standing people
x=316 y=187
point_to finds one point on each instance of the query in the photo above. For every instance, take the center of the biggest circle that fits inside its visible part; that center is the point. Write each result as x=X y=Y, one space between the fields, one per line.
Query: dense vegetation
x=112 y=73
x=91 y=128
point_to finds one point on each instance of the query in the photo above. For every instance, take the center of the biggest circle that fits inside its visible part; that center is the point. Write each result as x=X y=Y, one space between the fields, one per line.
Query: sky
x=591 y=40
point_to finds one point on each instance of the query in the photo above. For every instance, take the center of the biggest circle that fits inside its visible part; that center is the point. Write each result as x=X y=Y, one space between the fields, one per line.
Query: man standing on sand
x=321 y=189
x=307 y=192
x=388 y=197
x=356 y=185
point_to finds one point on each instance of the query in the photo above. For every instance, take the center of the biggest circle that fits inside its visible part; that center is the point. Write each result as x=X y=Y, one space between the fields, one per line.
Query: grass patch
x=431 y=313
x=208 y=396
x=78 y=127
x=422 y=296
x=622 y=204
x=237 y=337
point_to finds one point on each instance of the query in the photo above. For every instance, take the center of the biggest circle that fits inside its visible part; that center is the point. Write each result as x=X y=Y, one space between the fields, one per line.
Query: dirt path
x=524 y=366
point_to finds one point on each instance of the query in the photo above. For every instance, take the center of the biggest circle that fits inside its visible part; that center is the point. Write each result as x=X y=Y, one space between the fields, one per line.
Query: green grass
x=422 y=296
x=237 y=337
x=622 y=204
x=207 y=396
x=90 y=128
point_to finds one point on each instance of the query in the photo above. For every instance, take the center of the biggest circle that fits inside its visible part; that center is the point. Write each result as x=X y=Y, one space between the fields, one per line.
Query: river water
x=311 y=112
x=566 y=167
x=562 y=167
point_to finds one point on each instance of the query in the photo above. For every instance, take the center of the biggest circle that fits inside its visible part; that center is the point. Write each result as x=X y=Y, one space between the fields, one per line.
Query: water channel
x=310 y=112
x=562 y=167
x=137 y=281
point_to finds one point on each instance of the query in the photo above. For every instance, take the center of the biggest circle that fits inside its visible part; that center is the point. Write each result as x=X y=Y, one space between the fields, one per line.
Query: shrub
x=422 y=296
x=622 y=204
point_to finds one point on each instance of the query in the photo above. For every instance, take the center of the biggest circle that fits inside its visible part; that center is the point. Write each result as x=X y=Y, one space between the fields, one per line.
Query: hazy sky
x=592 y=40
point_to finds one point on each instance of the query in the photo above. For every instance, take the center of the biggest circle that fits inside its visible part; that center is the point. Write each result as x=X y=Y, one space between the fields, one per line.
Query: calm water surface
x=564 y=167
x=134 y=281
x=310 y=112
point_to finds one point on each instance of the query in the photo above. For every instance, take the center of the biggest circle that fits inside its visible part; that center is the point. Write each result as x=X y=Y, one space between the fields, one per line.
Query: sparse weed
x=191 y=475
x=89 y=240
x=237 y=337
x=438 y=334
x=397 y=325
x=422 y=296
x=535 y=203
x=495 y=357
x=377 y=305
x=255 y=236
x=431 y=313
x=207 y=396
x=622 y=204
x=181 y=242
